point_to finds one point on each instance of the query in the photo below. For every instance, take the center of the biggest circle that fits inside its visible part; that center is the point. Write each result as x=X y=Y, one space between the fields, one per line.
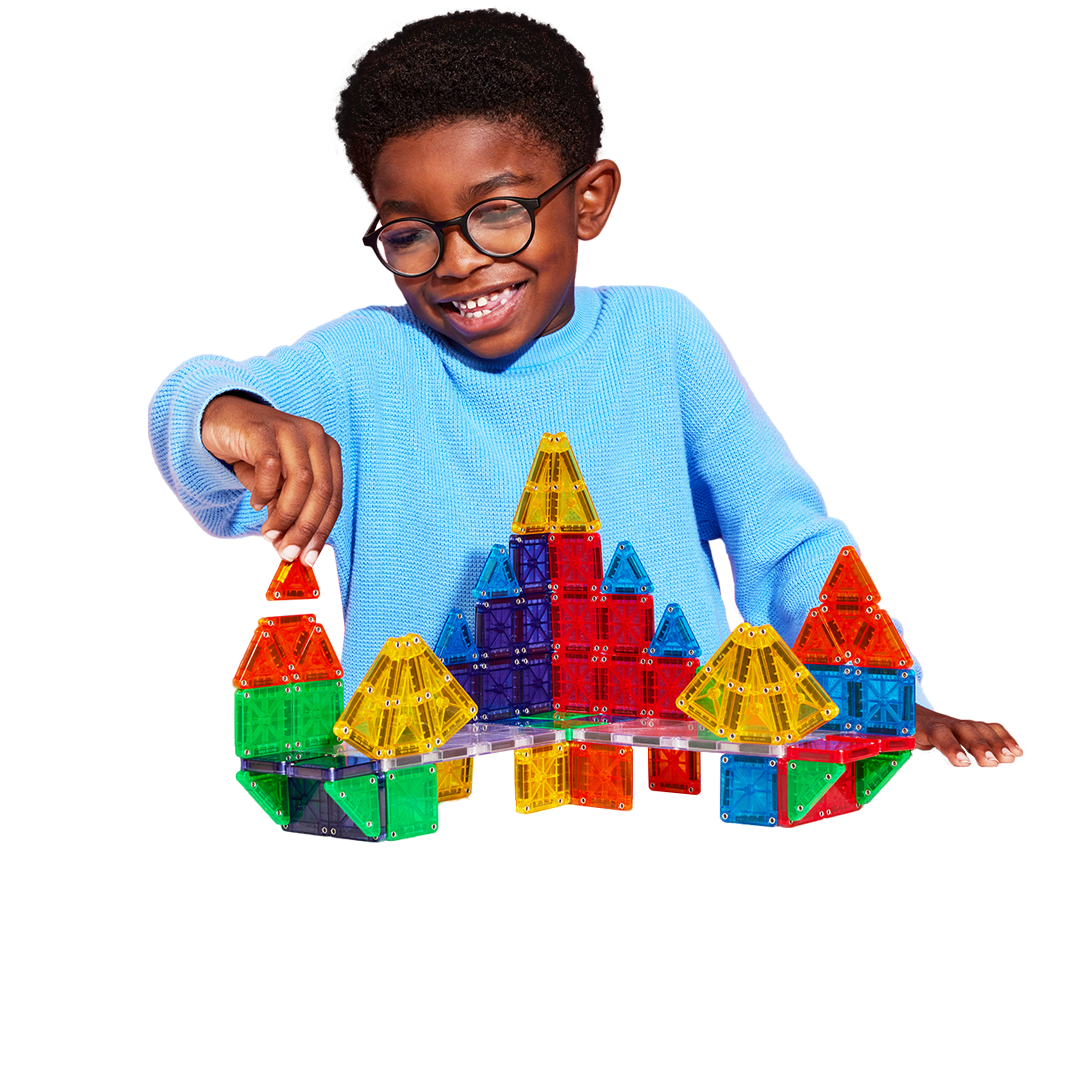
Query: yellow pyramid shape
x=555 y=498
x=754 y=689
x=408 y=703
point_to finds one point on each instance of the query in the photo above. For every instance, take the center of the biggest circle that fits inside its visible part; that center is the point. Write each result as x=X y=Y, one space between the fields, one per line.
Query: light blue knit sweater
x=436 y=447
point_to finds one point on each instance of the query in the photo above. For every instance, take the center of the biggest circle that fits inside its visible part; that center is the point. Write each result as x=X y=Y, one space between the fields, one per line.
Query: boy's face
x=440 y=174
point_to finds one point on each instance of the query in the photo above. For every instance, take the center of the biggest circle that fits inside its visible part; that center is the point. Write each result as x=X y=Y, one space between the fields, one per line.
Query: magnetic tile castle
x=567 y=665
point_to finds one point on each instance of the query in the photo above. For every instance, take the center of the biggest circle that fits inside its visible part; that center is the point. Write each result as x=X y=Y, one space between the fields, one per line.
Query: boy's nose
x=459 y=257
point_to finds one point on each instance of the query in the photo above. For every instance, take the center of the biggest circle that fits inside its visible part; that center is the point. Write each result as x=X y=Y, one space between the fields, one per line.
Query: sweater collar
x=565 y=341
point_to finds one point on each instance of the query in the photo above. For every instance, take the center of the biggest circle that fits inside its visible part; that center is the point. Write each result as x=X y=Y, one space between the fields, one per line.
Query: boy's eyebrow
x=469 y=195
x=486 y=187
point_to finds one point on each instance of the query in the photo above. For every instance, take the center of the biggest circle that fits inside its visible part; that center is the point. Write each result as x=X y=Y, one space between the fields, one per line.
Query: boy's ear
x=597 y=190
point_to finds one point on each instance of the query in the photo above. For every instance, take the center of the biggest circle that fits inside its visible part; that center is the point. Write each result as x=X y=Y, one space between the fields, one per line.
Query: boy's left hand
x=989 y=744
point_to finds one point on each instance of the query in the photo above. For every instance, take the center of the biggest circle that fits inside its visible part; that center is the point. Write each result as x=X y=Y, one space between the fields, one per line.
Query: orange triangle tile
x=293 y=581
x=816 y=643
x=849 y=583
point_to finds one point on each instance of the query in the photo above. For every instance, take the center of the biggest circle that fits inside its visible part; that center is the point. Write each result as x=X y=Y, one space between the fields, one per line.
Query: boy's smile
x=491 y=305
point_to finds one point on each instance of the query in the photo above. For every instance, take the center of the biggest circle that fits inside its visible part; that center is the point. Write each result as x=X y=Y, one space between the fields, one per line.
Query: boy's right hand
x=290 y=466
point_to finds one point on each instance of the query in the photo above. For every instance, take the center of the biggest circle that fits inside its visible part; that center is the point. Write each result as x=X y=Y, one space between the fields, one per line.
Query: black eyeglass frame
x=371 y=237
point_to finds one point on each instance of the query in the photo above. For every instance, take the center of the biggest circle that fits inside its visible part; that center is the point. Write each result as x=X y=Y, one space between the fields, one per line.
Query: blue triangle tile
x=497 y=578
x=626 y=574
x=456 y=645
x=673 y=636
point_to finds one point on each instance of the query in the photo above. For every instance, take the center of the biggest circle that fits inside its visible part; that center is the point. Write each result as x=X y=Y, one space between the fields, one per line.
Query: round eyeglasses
x=413 y=247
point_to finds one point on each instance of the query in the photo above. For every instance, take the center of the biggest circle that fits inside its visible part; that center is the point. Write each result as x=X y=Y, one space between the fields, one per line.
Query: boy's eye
x=406 y=237
x=499 y=214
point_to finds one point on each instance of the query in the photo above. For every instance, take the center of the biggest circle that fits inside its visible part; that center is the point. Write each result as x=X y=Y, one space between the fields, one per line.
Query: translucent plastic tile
x=573 y=622
x=602 y=776
x=454 y=778
x=529 y=555
x=336 y=823
x=533 y=691
x=262 y=721
x=625 y=573
x=305 y=645
x=833 y=680
x=848 y=584
x=478 y=739
x=674 y=770
x=895 y=744
x=270 y=791
x=407 y=703
x=498 y=626
x=835 y=748
x=555 y=498
x=497 y=577
x=625 y=624
x=467 y=676
x=673 y=636
x=301 y=794
x=412 y=802
x=498 y=689
x=338 y=765
x=873 y=701
x=874 y=773
x=315 y=657
x=754 y=690
x=888 y=702
x=848 y=627
x=675 y=734
x=873 y=641
x=265 y=662
x=622 y=685
x=806 y=783
x=316 y=707
x=818 y=640
x=575 y=563
x=358 y=796
x=838 y=799
x=284 y=649
x=574 y=682
x=541 y=777
x=664 y=679
x=748 y=790
x=293 y=581
x=313 y=812
x=536 y=622
x=456 y=645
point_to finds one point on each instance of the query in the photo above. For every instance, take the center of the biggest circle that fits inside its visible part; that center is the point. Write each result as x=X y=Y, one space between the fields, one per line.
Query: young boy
x=402 y=436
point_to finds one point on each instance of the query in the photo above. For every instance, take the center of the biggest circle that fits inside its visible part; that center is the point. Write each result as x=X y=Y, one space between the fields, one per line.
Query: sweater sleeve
x=750 y=491
x=299 y=380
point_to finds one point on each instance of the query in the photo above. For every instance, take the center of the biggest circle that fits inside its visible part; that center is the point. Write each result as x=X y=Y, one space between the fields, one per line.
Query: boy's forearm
x=206 y=487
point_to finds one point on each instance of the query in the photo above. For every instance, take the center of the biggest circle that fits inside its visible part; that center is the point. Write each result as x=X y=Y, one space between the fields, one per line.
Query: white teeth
x=479 y=306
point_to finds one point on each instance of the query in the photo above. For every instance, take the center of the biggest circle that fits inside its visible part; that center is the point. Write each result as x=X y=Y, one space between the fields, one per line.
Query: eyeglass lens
x=498 y=227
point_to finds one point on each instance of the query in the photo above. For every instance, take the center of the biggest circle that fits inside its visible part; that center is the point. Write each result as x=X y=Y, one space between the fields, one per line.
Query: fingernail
x=1018 y=750
x=962 y=758
x=290 y=553
x=272 y=535
x=1006 y=752
x=310 y=558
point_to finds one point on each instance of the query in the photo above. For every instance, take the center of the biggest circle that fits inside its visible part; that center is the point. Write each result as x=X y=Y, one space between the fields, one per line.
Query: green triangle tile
x=358 y=796
x=807 y=781
x=270 y=791
x=872 y=774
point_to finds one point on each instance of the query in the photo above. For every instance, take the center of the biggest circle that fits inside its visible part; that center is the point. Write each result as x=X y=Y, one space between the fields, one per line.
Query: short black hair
x=489 y=64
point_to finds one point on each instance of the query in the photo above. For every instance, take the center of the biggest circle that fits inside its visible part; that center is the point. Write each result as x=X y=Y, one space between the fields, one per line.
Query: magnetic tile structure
x=833 y=719
x=567 y=662
x=288 y=690
x=556 y=633
x=852 y=648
